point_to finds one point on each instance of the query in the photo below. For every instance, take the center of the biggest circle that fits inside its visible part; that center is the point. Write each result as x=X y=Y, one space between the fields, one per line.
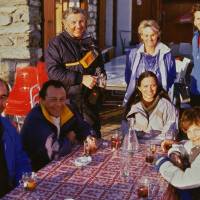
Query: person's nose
x=78 y=25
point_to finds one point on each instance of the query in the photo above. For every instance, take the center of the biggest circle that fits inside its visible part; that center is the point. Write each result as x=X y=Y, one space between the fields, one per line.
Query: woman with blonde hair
x=152 y=55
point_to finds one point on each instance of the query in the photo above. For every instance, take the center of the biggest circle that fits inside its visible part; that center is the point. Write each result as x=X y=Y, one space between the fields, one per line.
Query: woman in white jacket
x=154 y=114
x=180 y=177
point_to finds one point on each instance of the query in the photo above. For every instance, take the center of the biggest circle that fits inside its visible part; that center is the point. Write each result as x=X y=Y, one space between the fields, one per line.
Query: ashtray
x=83 y=161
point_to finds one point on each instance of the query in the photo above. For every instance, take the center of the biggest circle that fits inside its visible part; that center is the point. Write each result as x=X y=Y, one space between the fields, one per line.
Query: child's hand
x=166 y=145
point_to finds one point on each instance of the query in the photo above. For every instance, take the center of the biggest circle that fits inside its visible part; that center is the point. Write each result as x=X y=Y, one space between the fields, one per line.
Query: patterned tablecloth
x=101 y=179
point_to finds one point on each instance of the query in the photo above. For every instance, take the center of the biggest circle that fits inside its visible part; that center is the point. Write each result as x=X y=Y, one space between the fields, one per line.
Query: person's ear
x=64 y=22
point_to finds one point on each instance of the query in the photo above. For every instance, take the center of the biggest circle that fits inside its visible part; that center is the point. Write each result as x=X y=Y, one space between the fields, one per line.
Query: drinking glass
x=150 y=153
x=143 y=188
x=29 y=181
x=115 y=141
x=170 y=138
x=86 y=148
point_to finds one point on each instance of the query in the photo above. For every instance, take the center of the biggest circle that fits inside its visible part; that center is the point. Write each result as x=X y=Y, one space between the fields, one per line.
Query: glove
x=160 y=161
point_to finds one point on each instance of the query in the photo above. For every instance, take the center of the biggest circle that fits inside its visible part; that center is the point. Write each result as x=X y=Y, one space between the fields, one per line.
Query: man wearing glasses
x=52 y=127
x=13 y=160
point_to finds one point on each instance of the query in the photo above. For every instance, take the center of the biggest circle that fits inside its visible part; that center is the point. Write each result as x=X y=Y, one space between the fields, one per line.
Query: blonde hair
x=148 y=23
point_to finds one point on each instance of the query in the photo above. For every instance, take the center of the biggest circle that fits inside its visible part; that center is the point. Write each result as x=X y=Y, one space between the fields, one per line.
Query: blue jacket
x=195 y=75
x=166 y=66
x=16 y=159
x=37 y=128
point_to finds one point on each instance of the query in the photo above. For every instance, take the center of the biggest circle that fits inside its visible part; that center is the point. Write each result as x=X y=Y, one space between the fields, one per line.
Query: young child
x=186 y=180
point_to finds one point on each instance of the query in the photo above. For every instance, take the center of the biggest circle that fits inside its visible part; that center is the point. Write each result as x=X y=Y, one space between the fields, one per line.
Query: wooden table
x=99 y=180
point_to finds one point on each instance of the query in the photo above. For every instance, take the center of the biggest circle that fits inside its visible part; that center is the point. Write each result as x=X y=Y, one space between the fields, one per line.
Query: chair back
x=42 y=73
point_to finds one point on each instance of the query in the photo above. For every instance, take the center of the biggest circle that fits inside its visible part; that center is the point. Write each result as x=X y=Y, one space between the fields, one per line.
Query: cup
x=86 y=148
x=149 y=157
x=170 y=138
x=115 y=141
x=151 y=149
x=143 y=188
x=29 y=181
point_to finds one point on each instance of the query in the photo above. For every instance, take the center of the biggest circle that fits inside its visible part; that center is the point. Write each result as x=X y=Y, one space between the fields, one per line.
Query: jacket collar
x=160 y=47
x=66 y=115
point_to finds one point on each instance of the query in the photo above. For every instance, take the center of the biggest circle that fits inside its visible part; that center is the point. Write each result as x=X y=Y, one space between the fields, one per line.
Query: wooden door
x=177 y=23
x=53 y=10
x=101 y=23
x=49 y=21
x=144 y=9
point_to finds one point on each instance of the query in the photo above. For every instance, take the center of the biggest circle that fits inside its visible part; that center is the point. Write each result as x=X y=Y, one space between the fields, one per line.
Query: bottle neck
x=131 y=123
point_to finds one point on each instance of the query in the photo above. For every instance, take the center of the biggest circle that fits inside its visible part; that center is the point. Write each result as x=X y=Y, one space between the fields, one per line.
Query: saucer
x=83 y=161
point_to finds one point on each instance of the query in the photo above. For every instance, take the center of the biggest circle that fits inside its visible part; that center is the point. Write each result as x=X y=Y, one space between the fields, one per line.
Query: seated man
x=51 y=127
x=13 y=160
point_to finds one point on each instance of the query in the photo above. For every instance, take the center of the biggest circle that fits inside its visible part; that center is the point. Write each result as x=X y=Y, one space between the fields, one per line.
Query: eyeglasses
x=55 y=100
x=3 y=97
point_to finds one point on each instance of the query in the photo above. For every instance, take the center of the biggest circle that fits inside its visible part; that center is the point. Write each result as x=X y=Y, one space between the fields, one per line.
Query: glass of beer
x=150 y=154
x=29 y=181
x=143 y=188
x=115 y=141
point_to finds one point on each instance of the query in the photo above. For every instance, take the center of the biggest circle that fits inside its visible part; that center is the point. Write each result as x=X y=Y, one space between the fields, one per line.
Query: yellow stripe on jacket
x=66 y=114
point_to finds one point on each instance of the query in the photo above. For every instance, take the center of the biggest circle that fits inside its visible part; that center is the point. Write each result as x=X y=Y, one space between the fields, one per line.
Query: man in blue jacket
x=13 y=160
x=52 y=127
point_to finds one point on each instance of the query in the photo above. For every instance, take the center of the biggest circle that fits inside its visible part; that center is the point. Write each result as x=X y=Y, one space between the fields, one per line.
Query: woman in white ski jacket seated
x=185 y=178
x=154 y=114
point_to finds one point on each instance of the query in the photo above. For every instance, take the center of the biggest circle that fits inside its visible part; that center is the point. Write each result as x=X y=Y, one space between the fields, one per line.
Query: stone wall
x=20 y=34
x=92 y=12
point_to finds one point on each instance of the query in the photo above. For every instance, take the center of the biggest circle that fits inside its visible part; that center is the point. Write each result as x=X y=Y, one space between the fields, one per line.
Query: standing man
x=13 y=160
x=73 y=58
x=195 y=75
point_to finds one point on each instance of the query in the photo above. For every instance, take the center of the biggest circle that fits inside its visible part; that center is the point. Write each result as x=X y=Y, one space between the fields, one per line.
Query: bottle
x=131 y=143
x=125 y=164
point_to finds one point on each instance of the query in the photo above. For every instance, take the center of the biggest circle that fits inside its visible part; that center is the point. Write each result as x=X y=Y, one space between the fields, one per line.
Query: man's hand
x=89 y=81
x=71 y=136
x=92 y=144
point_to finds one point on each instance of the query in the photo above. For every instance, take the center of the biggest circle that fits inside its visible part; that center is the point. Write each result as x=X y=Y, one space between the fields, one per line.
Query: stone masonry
x=20 y=34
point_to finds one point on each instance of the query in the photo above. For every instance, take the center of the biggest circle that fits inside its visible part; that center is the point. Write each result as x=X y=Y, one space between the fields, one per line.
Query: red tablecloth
x=100 y=179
